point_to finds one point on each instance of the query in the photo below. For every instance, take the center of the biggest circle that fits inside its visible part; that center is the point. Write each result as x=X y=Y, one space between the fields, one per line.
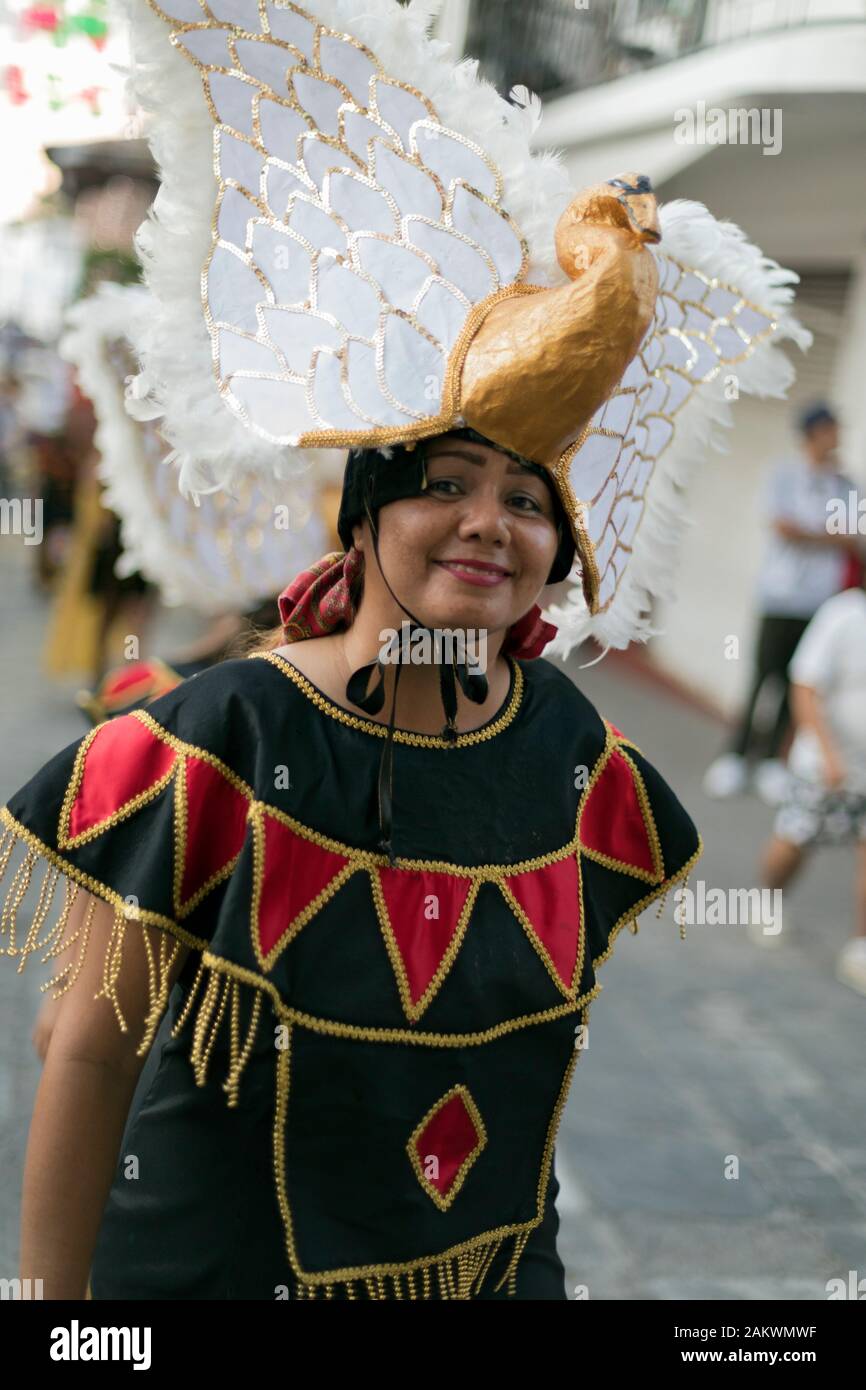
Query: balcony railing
x=555 y=46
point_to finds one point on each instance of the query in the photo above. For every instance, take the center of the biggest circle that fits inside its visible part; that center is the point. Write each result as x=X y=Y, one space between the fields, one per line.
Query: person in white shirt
x=805 y=562
x=826 y=798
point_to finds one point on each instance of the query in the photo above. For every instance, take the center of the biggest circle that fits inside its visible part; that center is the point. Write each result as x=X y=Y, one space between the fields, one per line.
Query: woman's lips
x=474 y=573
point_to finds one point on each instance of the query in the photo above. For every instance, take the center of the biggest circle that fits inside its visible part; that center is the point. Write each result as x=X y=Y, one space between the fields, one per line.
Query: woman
x=393 y=987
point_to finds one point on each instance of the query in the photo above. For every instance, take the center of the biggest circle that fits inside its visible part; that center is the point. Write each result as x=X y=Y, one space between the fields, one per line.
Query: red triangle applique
x=423 y=916
x=292 y=873
x=210 y=800
x=616 y=821
x=119 y=769
x=550 y=907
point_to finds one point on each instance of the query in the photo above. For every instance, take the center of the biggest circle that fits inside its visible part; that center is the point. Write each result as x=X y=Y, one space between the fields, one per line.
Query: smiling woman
x=383 y=998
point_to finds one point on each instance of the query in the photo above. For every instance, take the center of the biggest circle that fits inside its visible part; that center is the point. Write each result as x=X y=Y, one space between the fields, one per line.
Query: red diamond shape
x=447 y=1142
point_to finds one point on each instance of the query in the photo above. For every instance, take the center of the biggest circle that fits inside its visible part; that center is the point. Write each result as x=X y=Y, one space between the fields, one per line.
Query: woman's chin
x=486 y=613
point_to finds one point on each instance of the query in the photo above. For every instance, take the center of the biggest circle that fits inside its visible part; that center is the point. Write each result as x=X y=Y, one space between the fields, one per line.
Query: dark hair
x=819 y=413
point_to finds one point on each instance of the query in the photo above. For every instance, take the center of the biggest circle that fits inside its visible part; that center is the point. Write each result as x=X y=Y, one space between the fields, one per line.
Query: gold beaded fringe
x=219 y=1003
x=457 y=1277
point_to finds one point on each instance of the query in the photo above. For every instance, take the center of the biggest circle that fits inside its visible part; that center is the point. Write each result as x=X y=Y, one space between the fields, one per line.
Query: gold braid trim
x=416 y=740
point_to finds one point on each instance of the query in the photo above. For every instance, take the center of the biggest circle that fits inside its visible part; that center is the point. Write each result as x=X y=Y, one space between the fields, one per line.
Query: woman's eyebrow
x=480 y=459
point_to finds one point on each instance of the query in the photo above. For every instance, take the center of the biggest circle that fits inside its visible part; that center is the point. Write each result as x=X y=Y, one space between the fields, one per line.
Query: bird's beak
x=645 y=216
x=644 y=213
x=635 y=193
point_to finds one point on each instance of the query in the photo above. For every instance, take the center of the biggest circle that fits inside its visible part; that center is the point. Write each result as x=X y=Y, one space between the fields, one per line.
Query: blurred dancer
x=826 y=798
x=804 y=564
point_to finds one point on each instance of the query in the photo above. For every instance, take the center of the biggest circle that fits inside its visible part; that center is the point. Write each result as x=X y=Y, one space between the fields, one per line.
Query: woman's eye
x=443 y=486
x=440 y=482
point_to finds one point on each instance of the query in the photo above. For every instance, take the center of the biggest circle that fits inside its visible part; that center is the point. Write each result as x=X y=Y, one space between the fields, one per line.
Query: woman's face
x=476 y=549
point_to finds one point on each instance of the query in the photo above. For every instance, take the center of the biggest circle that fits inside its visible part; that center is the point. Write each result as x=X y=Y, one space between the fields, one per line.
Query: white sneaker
x=771 y=781
x=851 y=964
x=761 y=934
x=727 y=776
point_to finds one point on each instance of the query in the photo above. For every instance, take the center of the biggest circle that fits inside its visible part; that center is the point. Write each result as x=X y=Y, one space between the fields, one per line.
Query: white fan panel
x=238 y=161
x=592 y=464
x=617 y=413
x=278 y=407
x=298 y=335
x=208 y=46
x=720 y=301
x=233 y=101
x=452 y=159
x=752 y=322
x=233 y=290
x=349 y=65
x=285 y=263
x=442 y=313
x=477 y=220
x=730 y=343
x=279 y=185
x=293 y=28
x=269 y=63
x=456 y=261
x=281 y=128
x=184 y=11
x=318 y=158
x=242 y=354
x=319 y=228
x=413 y=191
x=358 y=131
x=244 y=13
x=234 y=215
x=351 y=300
x=362 y=208
x=399 y=271
x=363 y=381
x=321 y=99
x=414 y=368
x=400 y=110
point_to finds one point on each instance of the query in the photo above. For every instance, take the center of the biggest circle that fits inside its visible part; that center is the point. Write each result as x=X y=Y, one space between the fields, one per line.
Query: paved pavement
x=700 y=1052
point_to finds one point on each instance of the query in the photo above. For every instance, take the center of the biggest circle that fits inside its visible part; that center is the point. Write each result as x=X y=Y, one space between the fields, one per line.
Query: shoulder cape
x=409 y=1030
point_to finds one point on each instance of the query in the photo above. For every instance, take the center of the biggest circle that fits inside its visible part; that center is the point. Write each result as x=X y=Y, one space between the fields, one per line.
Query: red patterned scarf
x=324 y=597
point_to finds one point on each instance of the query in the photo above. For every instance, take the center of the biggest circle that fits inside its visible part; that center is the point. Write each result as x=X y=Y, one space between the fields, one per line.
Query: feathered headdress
x=226 y=553
x=354 y=244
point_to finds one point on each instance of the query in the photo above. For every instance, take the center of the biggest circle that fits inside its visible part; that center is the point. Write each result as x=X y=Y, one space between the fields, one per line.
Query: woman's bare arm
x=81 y=1107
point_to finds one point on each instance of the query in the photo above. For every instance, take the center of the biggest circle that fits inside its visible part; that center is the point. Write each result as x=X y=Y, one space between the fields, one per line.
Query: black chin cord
x=474 y=687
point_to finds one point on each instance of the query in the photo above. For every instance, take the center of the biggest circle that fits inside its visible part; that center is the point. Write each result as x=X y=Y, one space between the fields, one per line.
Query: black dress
x=380 y=1055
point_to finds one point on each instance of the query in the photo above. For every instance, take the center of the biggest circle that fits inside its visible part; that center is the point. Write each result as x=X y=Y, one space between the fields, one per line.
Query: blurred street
x=699 y=1050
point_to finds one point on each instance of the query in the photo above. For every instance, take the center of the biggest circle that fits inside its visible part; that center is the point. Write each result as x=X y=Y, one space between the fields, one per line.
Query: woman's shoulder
x=554 y=686
x=212 y=706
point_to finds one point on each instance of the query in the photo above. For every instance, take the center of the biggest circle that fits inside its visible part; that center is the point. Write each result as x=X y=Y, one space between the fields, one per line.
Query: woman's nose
x=484 y=515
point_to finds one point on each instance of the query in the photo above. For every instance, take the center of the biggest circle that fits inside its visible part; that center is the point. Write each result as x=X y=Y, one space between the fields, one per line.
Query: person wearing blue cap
x=805 y=562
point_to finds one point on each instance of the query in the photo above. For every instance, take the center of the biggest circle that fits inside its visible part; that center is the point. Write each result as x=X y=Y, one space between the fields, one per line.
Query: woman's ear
x=358 y=535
